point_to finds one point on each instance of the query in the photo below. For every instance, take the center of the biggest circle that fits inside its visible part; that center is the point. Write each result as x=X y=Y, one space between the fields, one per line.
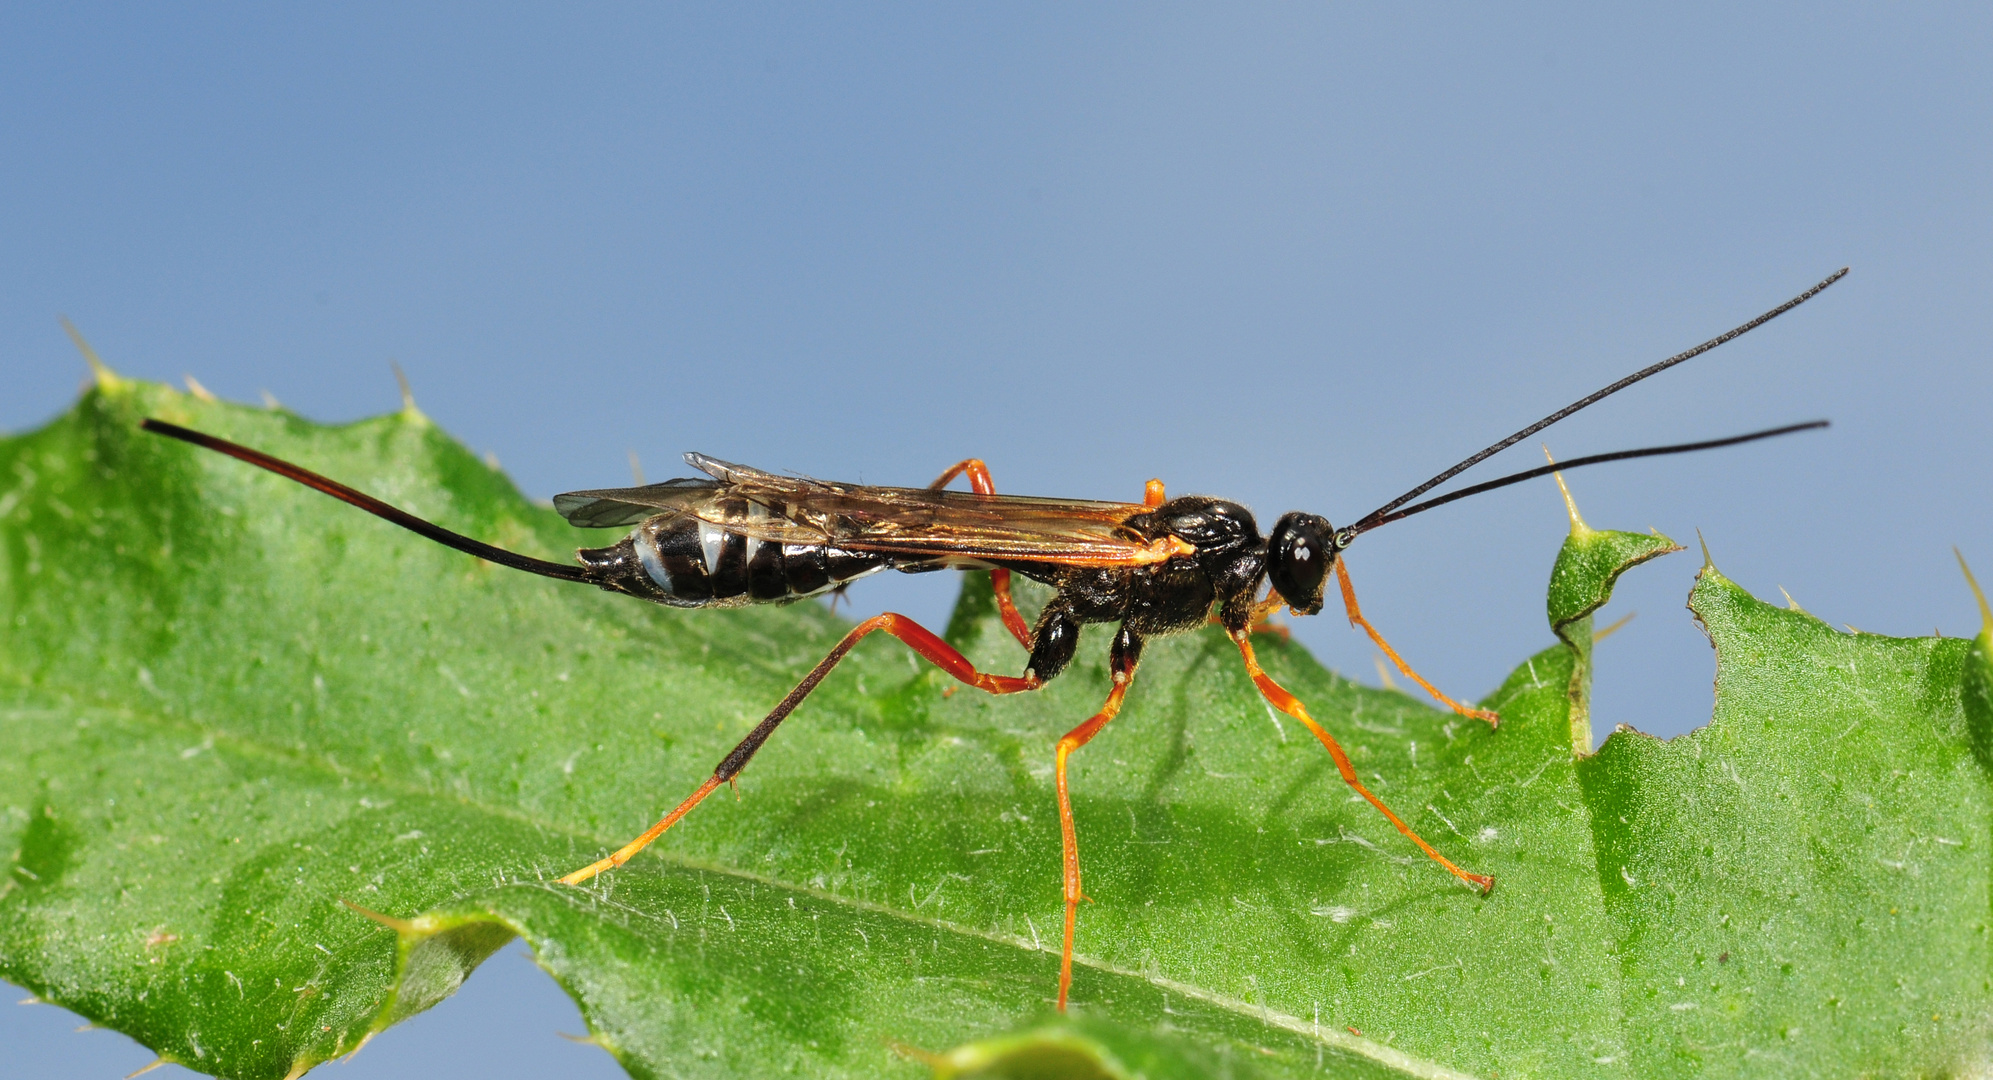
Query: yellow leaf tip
x=1578 y=526
x=1707 y=562
x=1985 y=612
x=1384 y=674
x=107 y=380
x=194 y=387
x=1616 y=626
x=362 y=1045
x=409 y=411
x=399 y=926
x=938 y=1062
x=143 y=1069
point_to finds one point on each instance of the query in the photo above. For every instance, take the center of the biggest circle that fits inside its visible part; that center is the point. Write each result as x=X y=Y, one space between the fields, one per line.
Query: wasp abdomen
x=685 y=562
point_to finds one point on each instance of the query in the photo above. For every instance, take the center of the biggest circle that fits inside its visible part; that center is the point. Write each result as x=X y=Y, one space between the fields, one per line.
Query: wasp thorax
x=1298 y=555
x=1211 y=525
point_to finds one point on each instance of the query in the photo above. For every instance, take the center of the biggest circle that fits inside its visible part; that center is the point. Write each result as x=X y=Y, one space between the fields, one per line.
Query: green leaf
x=274 y=774
x=1588 y=565
x=1803 y=884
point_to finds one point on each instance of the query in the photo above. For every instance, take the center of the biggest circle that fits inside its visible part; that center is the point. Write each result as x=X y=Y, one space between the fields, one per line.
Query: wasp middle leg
x=1127 y=652
x=917 y=637
x=981 y=483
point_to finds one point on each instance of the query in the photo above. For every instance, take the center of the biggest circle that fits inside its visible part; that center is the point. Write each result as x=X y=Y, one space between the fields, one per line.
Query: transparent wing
x=609 y=507
x=887 y=520
x=918 y=521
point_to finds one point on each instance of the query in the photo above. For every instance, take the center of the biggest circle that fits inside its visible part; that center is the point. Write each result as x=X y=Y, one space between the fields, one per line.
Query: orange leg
x=917 y=637
x=1069 y=840
x=1259 y=623
x=1264 y=609
x=1153 y=494
x=981 y=484
x=1279 y=698
x=1356 y=619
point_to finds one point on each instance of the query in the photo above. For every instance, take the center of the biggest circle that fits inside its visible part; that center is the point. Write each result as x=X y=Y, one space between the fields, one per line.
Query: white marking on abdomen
x=647 y=555
x=755 y=512
x=710 y=539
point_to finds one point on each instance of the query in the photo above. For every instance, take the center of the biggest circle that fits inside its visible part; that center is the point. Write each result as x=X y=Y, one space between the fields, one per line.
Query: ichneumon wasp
x=737 y=536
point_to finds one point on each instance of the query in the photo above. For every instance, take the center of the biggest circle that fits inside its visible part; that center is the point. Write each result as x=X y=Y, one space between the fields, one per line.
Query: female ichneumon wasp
x=739 y=536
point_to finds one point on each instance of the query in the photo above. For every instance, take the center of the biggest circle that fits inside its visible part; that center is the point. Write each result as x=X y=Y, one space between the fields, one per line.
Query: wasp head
x=1299 y=552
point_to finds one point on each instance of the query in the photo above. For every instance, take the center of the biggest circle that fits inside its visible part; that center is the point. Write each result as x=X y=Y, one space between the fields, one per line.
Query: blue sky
x=1301 y=255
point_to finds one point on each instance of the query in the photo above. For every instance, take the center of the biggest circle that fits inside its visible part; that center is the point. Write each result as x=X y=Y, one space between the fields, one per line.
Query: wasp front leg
x=1278 y=696
x=1260 y=620
x=1356 y=619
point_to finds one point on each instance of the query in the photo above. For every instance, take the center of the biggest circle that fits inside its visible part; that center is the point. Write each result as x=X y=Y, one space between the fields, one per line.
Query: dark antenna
x=1383 y=513
x=372 y=505
x=1544 y=470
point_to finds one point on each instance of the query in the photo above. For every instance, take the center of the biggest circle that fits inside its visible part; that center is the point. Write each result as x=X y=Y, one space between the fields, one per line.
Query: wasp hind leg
x=981 y=484
x=1277 y=696
x=917 y=637
x=1127 y=652
x=1356 y=619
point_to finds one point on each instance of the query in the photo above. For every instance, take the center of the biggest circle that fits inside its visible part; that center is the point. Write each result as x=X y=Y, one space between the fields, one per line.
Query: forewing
x=957 y=525
x=605 y=508
x=922 y=521
x=737 y=498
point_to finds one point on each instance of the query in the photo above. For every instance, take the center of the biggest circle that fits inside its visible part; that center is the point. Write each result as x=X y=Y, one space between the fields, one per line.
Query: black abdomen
x=684 y=562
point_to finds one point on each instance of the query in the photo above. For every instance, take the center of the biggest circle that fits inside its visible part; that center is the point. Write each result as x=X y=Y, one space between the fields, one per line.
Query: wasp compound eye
x=1298 y=555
